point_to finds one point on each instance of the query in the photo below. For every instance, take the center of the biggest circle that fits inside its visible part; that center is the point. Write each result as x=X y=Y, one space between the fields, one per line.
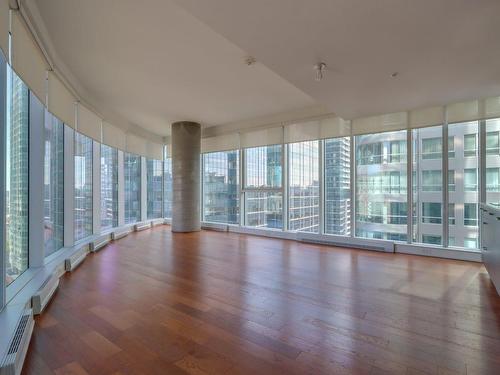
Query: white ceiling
x=153 y=63
x=158 y=61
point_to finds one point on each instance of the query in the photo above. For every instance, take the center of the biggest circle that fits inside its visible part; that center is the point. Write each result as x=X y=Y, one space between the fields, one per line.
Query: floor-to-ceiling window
x=16 y=178
x=381 y=188
x=262 y=175
x=83 y=186
x=492 y=163
x=220 y=187
x=155 y=188
x=109 y=187
x=303 y=189
x=167 y=187
x=132 y=188
x=53 y=184
x=337 y=185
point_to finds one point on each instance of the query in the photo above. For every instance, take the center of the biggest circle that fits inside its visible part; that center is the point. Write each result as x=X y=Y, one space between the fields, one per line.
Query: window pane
x=303 y=193
x=465 y=197
x=337 y=186
x=492 y=162
x=264 y=209
x=381 y=209
x=53 y=184
x=17 y=142
x=427 y=185
x=132 y=188
x=167 y=187
x=155 y=188
x=220 y=187
x=83 y=186
x=109 y=187
x=263 y=167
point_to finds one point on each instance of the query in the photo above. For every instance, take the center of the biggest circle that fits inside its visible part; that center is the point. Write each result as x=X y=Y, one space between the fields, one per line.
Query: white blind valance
x=4 y=27
x=27 y=59
x=382 y=123
x=331 y=127
x=136 y=145
x=88 y=123
x=154 y=150
x=425 y=117
x=224 y=142
x=60 y=101
x=262 y=137
x=113 y=136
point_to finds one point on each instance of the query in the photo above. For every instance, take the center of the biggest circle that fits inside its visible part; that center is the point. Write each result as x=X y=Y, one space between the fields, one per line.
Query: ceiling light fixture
x=250 y=60
x=320 y=68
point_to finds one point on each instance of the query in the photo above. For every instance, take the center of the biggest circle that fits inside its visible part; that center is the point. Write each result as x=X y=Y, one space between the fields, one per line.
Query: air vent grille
x=18 y=336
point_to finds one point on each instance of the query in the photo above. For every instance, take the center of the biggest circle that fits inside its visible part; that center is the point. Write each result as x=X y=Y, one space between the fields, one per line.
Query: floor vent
x=99 y=243
x=358 y=243
x=215 y=226
x=120 y=233
x=76 y=259
x=156 y=222
x=13 y=361
x=142 y=226
x=41 y=299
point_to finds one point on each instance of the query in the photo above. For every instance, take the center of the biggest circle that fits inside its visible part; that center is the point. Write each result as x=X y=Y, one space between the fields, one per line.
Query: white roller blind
x=302 y=131
x=381 y=123
x=60 y=101
x=136 y=145
x=262 y=137
x=168 y=150
x=334 y=127
x=27 y=59
x=4 y=27
x=492 y=107
x=154 y=150
x=220 y=143
x=88 y=123
x=465 y=111
x=424 y=117
x=113 y=136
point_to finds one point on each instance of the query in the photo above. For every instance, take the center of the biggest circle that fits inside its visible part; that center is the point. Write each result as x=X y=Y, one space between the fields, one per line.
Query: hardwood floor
x=221 y=303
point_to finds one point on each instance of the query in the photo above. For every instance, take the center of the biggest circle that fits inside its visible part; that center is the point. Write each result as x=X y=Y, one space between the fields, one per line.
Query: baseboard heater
x=215 y=226
x=42 y=297
x=156 y=222
x=76 y=259
x=13 y=362
x=142 y=226
x=358 y=243
x=99 y=243
x=120 y=233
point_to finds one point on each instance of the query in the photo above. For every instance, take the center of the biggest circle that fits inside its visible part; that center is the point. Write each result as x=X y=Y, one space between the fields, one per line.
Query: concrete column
x=186 y=146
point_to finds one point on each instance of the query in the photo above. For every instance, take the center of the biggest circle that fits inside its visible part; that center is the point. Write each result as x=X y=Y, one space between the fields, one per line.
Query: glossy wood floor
x=221 y=303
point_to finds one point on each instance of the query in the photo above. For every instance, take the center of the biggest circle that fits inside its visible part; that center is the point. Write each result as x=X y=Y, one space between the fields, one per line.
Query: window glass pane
x=132 y=188
x=53 y=184
x=109 y=187
x=263 y=167
x=264 y=209
x=83 y=186
x=17 y=142
x=220 y=187
x=465 y=197
x=451 y=180
x=492 y=162
x=167 y=187
x=337 y=186
x=155 y=188
x=303 y=193
x=381 y=208
x=451 y=214
x=427 y=185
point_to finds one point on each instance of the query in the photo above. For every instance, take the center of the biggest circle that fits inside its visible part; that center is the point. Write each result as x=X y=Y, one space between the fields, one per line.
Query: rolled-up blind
x=113 y=136
x=89 y=123
x=4 y=27
x=464 y=111
x=154 y=150
x=330 y=127
x=136 y=145
x=425 y=117
x=27 y=59
x=378 y=124
x=261 y=137
x=60 y=101
x=220 y=143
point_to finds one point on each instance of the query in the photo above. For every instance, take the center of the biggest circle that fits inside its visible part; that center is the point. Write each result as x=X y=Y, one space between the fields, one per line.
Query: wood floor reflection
x=221 y=303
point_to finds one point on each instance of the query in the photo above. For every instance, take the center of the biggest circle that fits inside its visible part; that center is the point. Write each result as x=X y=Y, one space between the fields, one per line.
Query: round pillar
x=186 y=147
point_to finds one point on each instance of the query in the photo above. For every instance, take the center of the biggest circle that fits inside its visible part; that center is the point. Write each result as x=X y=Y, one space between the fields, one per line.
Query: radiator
x=358 y=243
x=215 y=226
x=142 y=226
x=76 y=259
x=13 y=362
x=120 y=233
x=42 y=297
x=99 y=243
x=156 y=222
